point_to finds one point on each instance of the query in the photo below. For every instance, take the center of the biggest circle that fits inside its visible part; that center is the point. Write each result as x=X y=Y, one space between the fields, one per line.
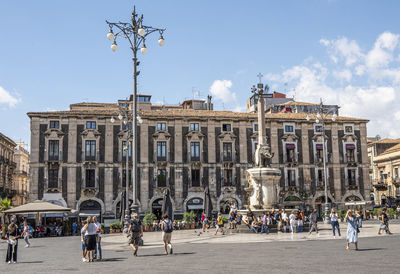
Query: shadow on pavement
x=370 y=249
x=162 y=254
x=112 y=260
x=33 y=262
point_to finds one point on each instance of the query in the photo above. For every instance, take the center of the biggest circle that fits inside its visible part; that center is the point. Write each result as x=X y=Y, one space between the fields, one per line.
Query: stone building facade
x=7 y=166
x=21 y=175
x=77 y=157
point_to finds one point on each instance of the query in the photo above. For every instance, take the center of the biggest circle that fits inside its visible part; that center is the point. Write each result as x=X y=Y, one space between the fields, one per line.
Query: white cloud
x=220 y=90
x=343 y=75
x=382 y=52
x=343 y=48
x=7 y=98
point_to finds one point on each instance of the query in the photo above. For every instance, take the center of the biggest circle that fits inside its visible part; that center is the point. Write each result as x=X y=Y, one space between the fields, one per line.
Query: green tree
x=4 y=205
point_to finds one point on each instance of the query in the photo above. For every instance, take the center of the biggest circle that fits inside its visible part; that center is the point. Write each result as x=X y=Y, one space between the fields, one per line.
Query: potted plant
x=148 y=221
x=116 y=227
x=188 y=218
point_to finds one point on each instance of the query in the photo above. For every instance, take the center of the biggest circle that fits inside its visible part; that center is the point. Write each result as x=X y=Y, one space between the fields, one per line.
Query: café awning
x=37 y=206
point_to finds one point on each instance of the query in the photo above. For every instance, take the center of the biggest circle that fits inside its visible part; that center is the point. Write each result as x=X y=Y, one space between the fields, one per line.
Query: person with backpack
x=166 y=228
x=135 y=232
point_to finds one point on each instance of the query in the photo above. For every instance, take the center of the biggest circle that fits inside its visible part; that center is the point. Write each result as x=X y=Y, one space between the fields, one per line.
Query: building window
x=144 y=99
x=161 y=126
x=162 y=178
x=195 y=151
x=255 y=127
x=194 y=127
x=318 y=129
x=195 y=177
x=291 y=177
x=54 y=124
x=226 y=127
x=124 y=177
x=90 y=151
x=348 y=129
x=227 y=177
x=53 y=178
x=124 y=149
x=320 y=178
x=351 y=177
x=289 y=128
x=397 y=191
x=396 y=174
x=127 y=126
x=90 y=125
x=350 y=153
x=319 y=153
x=161 y=151
x=90 y=178
x=290 y=153
x=53 y=150
x=227 y=152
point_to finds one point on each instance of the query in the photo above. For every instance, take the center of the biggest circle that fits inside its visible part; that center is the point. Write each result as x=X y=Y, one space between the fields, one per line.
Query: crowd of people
x=91 y=240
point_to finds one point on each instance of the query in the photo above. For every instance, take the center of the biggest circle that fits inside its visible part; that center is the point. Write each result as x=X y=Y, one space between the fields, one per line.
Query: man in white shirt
x=98 y=238
x=284 y=220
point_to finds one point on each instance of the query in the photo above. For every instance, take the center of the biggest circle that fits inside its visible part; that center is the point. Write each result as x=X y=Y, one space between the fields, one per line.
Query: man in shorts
x=135 y=232
x=166 y=228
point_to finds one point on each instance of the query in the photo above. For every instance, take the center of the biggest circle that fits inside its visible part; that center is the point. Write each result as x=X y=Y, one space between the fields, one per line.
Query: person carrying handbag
x=12 y=238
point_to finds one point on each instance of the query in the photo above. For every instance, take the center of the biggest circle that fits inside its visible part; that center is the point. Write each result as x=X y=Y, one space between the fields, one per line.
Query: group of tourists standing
x=91 y=240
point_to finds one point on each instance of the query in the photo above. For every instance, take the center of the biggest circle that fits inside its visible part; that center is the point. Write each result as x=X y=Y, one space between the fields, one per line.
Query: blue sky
x=54 y=53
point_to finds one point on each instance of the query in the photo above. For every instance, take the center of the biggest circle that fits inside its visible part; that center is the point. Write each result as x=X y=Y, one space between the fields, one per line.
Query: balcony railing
x=195 y=158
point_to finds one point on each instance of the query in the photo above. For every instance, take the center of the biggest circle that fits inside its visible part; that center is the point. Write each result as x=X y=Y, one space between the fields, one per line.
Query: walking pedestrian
x=219 y=225
x=292 y=221
x=313 y=222
x=384 y=222
x=359 y=217
x=135 y=232
x=83 y=242
x=90 y=230
x=204 y=221
x=12 y=237
x=352 y=229
x=98 y=239
x=278 y=218
x=334 y=222
x=166 y=228
x=285 y=218
x=26 y=233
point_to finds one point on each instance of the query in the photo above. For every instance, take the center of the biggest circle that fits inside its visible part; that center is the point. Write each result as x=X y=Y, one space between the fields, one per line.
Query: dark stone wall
x=185 y=182
x=280 y=147
x=310 y=146
x=331 y=181
x=359 y=152
x=78 y=182
x=340 y=142
x=102 y=144
x=361 y=181
x=185 y=131
x=238 y=180
x=282 y=179
x=312 y=175
x=204 y=131
x=342 y=181
x=79 y=130
x=299 y=146
x=219 y=182
x=42 y=144
x=151 y=131
x=217 y=148
x=237 y=144
x=205 y=177
x=139 y=183
x=151 y=181
x=138 y=160
x=115 y=182
x=40 y=183
x=64 y=182
x=328 y=133
x=172 y=181
x=250 y=159
x=301 y=180
x=116 y=130
x=101 y=183
x=171 y=131
x=65 y=129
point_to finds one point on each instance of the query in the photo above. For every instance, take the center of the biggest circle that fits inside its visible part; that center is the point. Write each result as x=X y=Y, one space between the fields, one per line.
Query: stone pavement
x=235 y=253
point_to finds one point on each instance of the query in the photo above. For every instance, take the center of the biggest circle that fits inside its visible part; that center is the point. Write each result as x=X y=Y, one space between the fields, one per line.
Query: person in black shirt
x=12 y=236
x=384 y=222
x=135 y=232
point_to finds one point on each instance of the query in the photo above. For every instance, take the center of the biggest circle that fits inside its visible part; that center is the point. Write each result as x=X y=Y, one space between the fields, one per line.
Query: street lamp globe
x=317 y=121
x=143 y=49
x=308 y=117
x=114 y=46
x=334 y=117
x=112 y=120
x=120 y=116
x=110 y=35
x=141 y=31
x=161 y=41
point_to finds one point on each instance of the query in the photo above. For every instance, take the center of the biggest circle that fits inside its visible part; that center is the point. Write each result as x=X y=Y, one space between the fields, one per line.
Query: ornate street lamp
x=136 y=33
x=321 y=117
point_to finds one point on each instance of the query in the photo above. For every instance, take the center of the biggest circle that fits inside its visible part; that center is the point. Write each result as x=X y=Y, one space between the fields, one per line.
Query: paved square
x=236 y=253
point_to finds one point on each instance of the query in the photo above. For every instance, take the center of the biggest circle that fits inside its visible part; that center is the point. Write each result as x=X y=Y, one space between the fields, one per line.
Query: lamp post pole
x=136 y=33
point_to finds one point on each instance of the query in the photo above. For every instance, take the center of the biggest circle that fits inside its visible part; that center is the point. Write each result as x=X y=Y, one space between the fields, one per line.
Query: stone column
x=179 y=167
x=274 y=142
